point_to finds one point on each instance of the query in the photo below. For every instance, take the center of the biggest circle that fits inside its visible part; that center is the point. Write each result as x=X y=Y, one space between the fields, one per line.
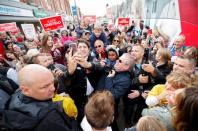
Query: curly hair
x=149 y=123
x=179 y=80
x=186 y=110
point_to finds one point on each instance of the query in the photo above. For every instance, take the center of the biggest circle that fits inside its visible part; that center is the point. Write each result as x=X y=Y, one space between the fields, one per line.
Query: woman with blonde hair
x=161 y=68
x=116 y=42
x=148 y=123
x=161 y=97
x=122 y=39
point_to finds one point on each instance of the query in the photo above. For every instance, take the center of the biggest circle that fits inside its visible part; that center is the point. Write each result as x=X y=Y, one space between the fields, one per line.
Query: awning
x=4 y=19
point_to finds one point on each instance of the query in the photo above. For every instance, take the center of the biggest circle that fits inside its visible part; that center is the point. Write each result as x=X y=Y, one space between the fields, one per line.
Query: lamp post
x=77 y=13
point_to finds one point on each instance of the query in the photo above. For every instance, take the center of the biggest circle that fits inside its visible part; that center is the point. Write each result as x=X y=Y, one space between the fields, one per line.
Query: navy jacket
x=27 y=114
x=117 y=85
x=93 y=38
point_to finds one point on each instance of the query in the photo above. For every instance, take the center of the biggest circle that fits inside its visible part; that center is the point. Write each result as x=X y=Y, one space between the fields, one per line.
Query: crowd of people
x=75 y=78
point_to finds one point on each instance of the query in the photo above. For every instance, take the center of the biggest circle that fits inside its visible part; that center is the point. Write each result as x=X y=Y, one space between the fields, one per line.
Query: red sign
x=8 y=27
x=52 y=23
x=189 y=21
x=123 y=21
x=92 y=18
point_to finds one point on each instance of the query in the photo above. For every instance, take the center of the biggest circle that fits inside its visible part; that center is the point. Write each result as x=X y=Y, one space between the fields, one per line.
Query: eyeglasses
x=120 y=61
x=98 y=46
x=116 y=40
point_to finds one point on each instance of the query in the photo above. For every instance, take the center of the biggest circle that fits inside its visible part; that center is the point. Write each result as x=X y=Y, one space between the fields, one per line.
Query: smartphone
x=55 y=39
x=73 y=46
x=51 y=67
x=150 y=32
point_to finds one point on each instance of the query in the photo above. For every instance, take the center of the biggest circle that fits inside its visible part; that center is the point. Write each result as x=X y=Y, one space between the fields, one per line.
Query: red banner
x=123 y=21
x=52 y=23
x=189 y=21
x=8 y=27
x=92 y=18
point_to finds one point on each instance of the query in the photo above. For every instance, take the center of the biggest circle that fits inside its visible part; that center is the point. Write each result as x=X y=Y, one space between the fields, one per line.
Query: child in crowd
x=99 y=112
x=148 y=123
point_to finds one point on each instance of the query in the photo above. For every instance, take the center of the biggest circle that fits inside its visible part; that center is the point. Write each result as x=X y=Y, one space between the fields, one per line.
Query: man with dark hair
x=79 y=77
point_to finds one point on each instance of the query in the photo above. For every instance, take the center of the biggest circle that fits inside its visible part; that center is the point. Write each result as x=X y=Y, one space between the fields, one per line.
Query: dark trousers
x=133 y=110
x=114 y=124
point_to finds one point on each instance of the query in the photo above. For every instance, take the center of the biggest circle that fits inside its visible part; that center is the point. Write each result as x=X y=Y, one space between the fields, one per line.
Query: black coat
x=161 y=72
x=27 y=114
x=76 y=86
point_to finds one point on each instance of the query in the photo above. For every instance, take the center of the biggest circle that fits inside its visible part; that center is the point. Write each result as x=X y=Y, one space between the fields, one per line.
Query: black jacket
x=161 y=72
x=27 y=114
x=76 y=86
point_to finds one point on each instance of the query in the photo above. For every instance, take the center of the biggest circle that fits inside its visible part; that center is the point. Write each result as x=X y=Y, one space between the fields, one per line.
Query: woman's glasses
x=116 y=40
x=98 y=46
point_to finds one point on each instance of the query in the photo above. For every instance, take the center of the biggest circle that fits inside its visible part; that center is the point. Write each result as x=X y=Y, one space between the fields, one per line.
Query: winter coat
x=23 y=113
x=93 y=38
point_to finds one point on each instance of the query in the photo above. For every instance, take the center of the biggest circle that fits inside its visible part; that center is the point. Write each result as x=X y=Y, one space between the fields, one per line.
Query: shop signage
x=39 y=14
x=14 y=11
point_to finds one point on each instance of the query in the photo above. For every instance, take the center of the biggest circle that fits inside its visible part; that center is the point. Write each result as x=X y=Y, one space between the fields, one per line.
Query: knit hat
x=32 y=52
x=112 y=48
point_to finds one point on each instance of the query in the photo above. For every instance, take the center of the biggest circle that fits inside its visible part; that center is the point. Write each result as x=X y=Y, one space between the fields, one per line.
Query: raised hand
x=71 y=62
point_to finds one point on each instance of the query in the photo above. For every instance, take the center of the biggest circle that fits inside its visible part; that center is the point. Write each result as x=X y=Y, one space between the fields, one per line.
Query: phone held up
x=73 y=46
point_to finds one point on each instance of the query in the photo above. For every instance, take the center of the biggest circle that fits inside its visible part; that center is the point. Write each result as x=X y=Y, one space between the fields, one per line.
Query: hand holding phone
x=111 y=73
x=73 y=46
x=150 y=32
x=55 y=39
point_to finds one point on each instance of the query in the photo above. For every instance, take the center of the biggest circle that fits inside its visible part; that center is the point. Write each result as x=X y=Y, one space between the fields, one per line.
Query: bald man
x=31 y=107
